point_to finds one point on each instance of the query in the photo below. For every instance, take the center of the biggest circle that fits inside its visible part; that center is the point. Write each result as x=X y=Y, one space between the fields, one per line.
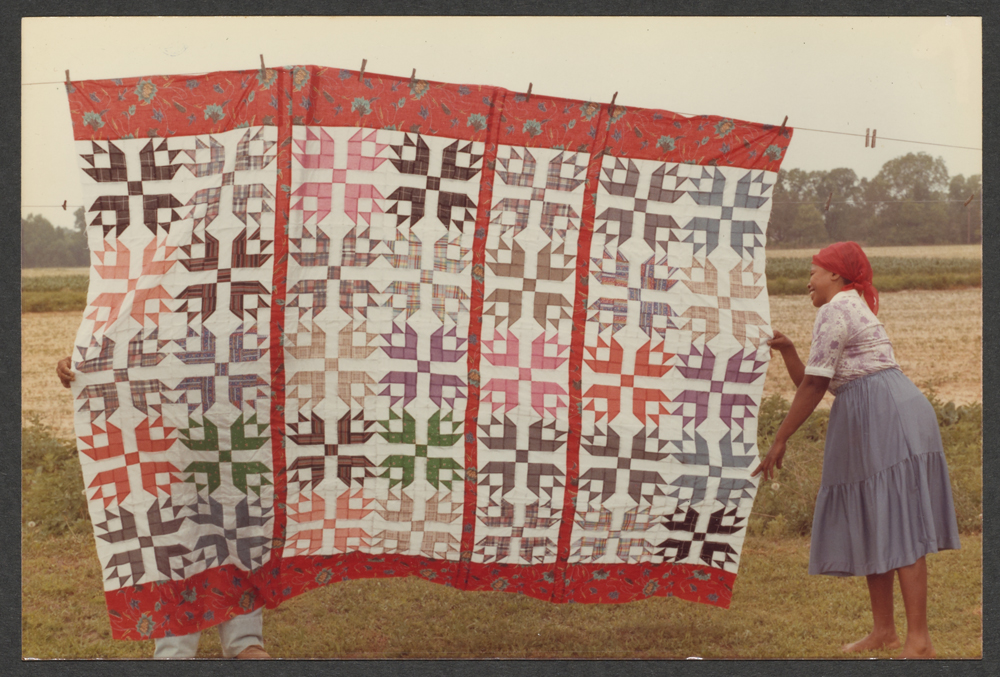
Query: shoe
x=255 y=651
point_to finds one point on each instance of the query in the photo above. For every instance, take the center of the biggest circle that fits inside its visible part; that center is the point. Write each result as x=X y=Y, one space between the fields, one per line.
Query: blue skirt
x=885 y=500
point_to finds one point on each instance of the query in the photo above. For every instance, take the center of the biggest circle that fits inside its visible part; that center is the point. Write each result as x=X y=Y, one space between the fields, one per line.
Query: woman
x=885 y=499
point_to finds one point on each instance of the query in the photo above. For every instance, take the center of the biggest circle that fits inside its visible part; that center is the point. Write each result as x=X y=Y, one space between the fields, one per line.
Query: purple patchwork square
x=423 y=366
x=716 y=386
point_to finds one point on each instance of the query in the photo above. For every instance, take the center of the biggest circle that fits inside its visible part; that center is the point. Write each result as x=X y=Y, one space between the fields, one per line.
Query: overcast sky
x=916 y=79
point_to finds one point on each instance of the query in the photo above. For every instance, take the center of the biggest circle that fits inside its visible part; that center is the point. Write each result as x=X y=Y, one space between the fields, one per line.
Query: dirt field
x=53 y=272
x=937 y=336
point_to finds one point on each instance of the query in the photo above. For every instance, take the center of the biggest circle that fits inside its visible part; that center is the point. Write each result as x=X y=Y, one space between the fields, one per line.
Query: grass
x=51 y=283
x=53 y=293
x=777 y=611
x=951 y=251
x=790 y=275
x=52 y=491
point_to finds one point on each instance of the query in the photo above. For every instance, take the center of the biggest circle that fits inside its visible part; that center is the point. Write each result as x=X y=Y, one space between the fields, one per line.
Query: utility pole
x=968 y=218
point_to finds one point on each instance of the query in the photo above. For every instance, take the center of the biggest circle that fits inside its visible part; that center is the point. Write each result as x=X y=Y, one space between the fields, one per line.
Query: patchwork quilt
x=348 y=325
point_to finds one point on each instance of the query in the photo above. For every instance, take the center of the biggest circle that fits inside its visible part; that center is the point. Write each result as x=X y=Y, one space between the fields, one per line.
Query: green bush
x=52 y=491
x=785 y=505
x=962 y=436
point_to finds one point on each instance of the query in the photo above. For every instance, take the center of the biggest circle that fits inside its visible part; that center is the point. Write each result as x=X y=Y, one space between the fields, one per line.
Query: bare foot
x=917 y=649
x=882 y=640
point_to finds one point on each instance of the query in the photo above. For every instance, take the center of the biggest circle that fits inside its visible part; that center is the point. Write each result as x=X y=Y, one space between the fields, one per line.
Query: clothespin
x=828 y=199
x=64 y=204
x=873 y=137
x=867 y=132
x=413 y=77
x=528 y=95
x=361 y=73
x=971 y=195
x=615 y=96
x=67 y=76
x=783 y=123
x=263 y=68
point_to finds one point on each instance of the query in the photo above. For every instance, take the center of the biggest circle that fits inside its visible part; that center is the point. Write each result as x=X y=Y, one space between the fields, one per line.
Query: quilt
x=346 y=325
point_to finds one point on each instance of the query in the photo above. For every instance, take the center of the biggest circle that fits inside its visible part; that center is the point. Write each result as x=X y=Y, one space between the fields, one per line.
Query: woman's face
x=823 y=285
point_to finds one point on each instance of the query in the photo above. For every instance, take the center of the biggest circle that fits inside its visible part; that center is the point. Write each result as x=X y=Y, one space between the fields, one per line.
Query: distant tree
x=910 y=201
x=79 y=220
x=797 y=206
x=966 y=223
x=911 y=208
x=808 y=229
x=915 y=176
x=844 y=218
x=782 y=212
x=45 y=246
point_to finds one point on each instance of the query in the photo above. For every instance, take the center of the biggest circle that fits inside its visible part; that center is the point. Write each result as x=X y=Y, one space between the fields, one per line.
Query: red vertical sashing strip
x=576 y=358
x=475 y=343
x=282 y=200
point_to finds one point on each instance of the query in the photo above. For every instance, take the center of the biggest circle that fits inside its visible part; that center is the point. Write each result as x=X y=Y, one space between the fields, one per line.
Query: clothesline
x=798 y=129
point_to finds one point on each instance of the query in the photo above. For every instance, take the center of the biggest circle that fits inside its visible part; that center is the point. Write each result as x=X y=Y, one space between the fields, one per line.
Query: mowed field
x=937 y=337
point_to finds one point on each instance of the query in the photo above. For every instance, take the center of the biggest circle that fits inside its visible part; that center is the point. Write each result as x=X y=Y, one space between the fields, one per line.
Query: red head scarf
x=849 y=261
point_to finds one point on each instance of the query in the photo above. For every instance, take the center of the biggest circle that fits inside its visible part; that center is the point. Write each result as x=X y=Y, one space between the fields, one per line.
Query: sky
x=912 y=78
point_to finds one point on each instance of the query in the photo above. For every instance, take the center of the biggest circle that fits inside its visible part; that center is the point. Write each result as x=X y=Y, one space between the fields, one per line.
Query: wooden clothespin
x=528 y=95
x=783 y=123
x=67 y=76
x=867 y=134
x=971 y=195
x=614 y=96
x=263 y=68
x=828 y=200
x=64 y=204
x=361 y=73
x=874 y=131
x=413 y=77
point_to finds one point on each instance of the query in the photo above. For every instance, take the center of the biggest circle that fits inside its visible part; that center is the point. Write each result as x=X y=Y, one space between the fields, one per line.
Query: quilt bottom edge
x=214 y=596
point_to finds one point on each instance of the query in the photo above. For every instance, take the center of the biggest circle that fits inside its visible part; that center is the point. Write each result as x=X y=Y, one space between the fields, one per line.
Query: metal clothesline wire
x=802 y=129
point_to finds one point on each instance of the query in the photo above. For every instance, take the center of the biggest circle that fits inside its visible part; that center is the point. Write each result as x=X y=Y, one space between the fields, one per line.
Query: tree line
x=911 y=201
x=46 y=246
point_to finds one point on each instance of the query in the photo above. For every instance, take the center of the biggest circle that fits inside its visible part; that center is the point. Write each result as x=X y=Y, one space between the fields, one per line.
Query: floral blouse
x=848 y=341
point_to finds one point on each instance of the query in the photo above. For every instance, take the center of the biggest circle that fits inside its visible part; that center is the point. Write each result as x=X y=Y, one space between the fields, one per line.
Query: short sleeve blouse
x=848 y=341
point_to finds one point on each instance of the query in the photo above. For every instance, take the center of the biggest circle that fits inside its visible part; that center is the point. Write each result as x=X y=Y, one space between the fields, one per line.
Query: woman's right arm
x=784 y=345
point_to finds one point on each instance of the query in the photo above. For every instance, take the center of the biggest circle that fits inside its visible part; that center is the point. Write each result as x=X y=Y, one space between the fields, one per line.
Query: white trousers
x=236 y=634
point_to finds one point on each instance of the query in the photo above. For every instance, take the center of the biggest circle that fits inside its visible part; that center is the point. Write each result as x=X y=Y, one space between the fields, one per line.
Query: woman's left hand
x=771 y=461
